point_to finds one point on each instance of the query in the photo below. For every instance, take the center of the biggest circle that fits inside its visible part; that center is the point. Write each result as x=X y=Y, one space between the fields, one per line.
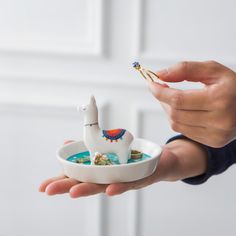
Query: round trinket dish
x=107 y=174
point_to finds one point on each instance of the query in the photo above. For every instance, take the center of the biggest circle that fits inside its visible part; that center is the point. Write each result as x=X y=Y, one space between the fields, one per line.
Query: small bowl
x=110 y=173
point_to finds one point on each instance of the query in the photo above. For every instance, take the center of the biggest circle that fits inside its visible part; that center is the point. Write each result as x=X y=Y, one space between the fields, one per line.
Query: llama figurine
x=104 y=141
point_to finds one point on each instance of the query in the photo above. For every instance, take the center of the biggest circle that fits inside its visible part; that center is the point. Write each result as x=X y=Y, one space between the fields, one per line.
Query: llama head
x=90 y=111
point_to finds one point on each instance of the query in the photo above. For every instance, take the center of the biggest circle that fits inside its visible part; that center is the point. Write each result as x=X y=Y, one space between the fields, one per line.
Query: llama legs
x=123 y=156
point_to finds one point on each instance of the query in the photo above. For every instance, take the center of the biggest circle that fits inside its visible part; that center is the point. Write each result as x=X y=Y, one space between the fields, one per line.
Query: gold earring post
x=146 y=74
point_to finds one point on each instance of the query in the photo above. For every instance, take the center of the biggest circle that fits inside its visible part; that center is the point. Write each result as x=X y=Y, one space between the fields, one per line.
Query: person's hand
x=205 y=115
x=62 y=184
x=174 y=165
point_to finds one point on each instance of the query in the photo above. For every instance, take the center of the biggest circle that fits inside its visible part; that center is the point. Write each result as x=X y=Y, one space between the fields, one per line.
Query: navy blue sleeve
x=218 y=160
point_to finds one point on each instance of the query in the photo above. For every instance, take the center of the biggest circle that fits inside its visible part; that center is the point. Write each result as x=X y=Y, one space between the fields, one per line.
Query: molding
x=93 y=47
x=38 y=108
x=138 y=113
x=138 y=38
x=69 y=112
x=84 y=81
x=53 y=109
x=134 y=212
x=136 y=199
x=137 y=28
x=103 y=212
x=162 y=60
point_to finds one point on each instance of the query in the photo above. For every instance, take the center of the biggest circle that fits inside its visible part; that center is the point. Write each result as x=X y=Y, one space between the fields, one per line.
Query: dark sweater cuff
x=210 y=164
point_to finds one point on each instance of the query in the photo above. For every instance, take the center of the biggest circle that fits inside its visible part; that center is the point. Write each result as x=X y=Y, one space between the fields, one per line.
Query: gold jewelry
x=147 y=74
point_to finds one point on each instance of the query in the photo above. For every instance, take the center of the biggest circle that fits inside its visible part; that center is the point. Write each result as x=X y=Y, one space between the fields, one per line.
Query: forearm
x=182 y=159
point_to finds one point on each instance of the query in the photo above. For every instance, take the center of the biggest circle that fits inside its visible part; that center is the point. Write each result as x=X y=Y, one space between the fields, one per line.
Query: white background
x=53 y=55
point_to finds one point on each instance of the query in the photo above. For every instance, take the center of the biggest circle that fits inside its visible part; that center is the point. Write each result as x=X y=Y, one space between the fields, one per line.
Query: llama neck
x=91 y=124
x=91 y=121
x=91 y=132
x=91 y=127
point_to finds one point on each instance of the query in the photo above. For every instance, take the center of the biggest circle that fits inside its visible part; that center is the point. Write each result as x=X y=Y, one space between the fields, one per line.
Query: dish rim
x=108 y=166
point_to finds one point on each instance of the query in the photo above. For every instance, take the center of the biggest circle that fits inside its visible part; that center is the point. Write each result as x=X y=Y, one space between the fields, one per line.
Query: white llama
x=104 y=141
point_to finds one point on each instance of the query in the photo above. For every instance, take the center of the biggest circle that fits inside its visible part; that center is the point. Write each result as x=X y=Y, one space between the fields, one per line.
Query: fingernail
x=48 y=192
x=68 y=141
x=162 y=73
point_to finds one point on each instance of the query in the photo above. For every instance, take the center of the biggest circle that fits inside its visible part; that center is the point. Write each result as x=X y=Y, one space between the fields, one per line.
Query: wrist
x=182 y=159
x=168 y=166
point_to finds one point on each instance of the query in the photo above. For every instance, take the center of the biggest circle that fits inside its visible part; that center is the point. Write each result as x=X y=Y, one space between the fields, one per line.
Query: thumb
x=205 y=72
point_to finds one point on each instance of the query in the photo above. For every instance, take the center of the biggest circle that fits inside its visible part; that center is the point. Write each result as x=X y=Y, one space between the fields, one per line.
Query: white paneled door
x=53 y=56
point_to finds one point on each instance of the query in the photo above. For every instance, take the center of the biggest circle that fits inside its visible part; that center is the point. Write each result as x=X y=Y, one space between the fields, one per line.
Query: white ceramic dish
x=111 y=173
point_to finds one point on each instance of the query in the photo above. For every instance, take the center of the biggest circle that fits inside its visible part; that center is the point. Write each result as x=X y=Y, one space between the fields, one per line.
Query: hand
x=174 y=165
x=205 y=115
x=62 y=184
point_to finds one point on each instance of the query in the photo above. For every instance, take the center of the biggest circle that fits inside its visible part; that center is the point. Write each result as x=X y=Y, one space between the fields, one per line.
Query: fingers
x=191 y=118
x=209 y=73
x=63 y=184
x=189 y=130
x=192 y=71
x=86 y=189
x=178 y=99
x=69 y=141
x=119 y=188
x=45 y=183
x=60 y=186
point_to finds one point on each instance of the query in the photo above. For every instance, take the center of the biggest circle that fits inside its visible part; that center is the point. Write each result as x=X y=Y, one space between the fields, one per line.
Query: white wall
x=53 y=55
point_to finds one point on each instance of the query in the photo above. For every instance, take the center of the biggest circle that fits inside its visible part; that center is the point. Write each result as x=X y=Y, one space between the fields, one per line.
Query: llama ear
x=80 y=108
x=92 y=100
